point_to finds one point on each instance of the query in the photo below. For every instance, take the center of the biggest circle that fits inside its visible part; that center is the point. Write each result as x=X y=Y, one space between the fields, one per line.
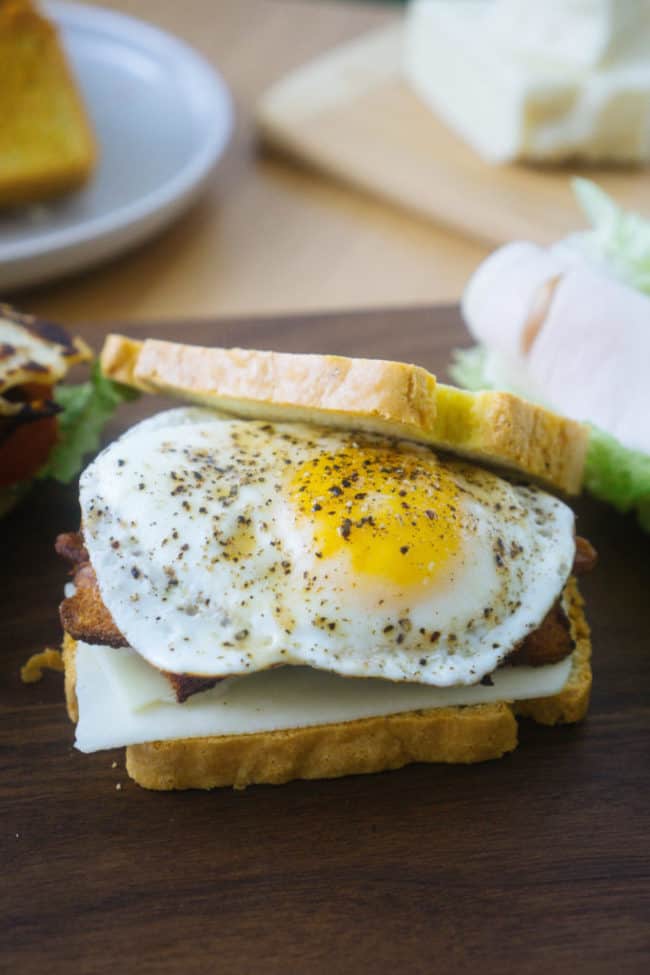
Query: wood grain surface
x=534 y=863
x=352 y=114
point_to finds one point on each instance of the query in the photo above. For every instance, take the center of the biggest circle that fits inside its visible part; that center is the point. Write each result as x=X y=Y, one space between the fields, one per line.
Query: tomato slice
x=28 y=446
x=26 y=449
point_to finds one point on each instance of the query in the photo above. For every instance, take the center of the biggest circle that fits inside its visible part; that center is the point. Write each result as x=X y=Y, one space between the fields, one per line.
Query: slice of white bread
x=454 y=735
x=391 y=398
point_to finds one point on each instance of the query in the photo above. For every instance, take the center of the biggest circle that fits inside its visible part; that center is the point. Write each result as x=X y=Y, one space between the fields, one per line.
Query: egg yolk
x=396 y=514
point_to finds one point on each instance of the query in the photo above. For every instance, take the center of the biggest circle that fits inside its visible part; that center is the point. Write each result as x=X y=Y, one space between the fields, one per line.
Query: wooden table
x=267 y=236
x=537 y=863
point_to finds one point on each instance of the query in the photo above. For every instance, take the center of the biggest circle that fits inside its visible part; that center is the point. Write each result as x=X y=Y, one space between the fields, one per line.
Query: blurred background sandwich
x=46 y=427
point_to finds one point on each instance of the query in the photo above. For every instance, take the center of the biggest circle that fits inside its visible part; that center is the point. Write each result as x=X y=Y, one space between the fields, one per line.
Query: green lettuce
x=619 y=475
x=468 y=368
x=86 y=407
x=619 y=240
x=613 y=473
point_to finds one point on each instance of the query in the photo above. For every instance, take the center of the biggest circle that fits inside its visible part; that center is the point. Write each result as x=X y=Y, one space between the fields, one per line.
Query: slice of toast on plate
x=47 y=146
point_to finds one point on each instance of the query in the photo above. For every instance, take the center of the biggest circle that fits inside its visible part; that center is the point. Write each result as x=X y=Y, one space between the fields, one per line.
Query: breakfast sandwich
x=34 y=356
x=46 y=427
x=314 y=570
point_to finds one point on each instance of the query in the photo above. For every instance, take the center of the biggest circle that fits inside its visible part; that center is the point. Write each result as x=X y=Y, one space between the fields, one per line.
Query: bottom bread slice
x=474 y=733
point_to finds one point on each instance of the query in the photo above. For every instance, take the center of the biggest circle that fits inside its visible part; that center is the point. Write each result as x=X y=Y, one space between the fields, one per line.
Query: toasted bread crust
x=572 y=703
x=452 y=735
x=390 y=398
x=48 y=146
x=69 y=654
x=519 y=435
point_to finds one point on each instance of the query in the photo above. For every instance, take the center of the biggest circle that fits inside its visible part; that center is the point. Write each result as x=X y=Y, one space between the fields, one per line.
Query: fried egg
x=225 y=546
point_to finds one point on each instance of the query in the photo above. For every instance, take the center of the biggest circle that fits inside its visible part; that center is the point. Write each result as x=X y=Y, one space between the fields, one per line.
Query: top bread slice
x=46 y=143
x=390 y=398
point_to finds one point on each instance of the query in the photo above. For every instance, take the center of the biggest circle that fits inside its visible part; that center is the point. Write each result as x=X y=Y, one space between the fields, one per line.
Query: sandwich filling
x=122 y=700
x=34 y=356
x=227 y=557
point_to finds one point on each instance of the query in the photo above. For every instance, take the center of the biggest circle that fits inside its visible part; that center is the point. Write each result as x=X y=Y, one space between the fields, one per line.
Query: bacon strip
x=70 y=546
x=85 y=617
x=184 y=685
x=586 y=557
x=548 y=644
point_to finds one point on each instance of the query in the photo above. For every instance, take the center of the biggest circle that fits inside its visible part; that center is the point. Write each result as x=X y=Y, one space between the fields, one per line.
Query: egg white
x=201 y=533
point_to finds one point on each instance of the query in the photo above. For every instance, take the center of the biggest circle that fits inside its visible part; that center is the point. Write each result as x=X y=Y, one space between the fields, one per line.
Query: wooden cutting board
x=351 y=115
x=536 y=863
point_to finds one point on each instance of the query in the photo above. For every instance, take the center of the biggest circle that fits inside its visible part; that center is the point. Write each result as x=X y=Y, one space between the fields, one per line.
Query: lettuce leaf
x=619 y=475
x=619 y=241
x=86 y=408
x=613 y=473
x=468 y=368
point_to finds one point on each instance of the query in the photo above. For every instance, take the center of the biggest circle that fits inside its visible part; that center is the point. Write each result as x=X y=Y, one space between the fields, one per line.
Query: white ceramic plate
x=162 y=117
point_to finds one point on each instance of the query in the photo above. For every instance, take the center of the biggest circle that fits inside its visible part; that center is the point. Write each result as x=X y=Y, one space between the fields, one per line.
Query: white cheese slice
x=130 y=678
x=124 y=701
